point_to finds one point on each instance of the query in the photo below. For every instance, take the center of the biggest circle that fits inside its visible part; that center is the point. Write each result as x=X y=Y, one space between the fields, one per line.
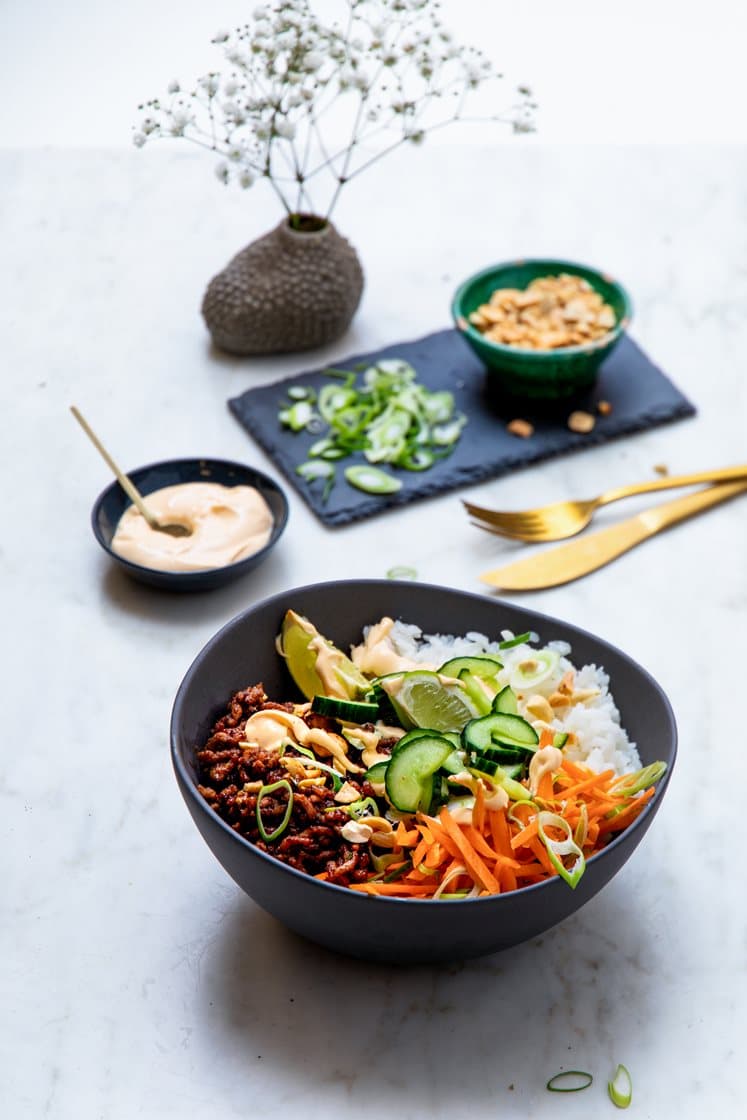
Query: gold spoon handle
x=127 y=485
x=724 y=474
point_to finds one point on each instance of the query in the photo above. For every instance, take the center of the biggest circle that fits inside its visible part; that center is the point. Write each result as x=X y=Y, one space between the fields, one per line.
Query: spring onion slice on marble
x=401 y=571
x=382 y=412
x=556 y=849
x=570 y=1081
x=620 y=1088
x=265 y=791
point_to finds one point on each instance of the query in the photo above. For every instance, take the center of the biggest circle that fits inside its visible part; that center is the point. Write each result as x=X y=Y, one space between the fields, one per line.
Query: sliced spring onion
x=333 y=398
x=265 y=791
x=519 y=640
x=538 y=666
x=570 y=1081
x=372 y=480
x=297 y=416
x=383 y=413
x=314 y=469
x=620 y=1088
x=398 y=872
x=336 y=779
x=556 y=849
x=325 y=448
x=402 y=572
x=630 y=784
x=301 y=393
x=359 y=808
x=421 y=459
x=444 y=435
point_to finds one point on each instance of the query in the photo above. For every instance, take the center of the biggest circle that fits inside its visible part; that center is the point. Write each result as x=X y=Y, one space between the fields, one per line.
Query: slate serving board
x=641 y=396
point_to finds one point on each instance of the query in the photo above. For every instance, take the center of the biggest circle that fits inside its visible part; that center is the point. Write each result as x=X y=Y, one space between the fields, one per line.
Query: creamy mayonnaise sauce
x=377 y=655
x=227 y=523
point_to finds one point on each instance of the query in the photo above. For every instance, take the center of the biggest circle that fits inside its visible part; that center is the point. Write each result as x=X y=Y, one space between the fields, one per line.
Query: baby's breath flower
x=210 y=84
x=400 y=70
x=313 y=60
x=285 y=128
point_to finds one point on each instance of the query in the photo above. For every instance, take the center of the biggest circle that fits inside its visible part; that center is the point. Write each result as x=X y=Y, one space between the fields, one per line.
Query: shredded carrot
x=473 y=862
x=544 y=789
x=522 y=839
x=495 y=853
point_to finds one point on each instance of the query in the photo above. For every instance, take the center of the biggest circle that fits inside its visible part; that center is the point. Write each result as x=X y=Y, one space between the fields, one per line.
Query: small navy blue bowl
x=112 y=502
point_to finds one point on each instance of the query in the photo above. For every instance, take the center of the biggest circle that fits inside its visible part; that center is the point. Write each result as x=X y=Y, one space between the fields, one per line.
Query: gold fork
x=564 y=519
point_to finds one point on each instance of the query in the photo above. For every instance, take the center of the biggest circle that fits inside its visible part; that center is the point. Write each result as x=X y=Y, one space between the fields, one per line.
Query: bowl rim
x=464 y=326
x=188 y=782
x=279 y=523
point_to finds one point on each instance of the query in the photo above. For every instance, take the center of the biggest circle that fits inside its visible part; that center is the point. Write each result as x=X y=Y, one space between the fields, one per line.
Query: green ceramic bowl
x=546 y=374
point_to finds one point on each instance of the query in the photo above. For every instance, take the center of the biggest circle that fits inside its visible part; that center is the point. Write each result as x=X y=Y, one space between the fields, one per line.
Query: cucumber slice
x=486 y=765
x=454 y=764
x=499 y=729
x=376 y=773
x=513 y=773
x=505 y=703
x=409 y=773
x=440 y=794
x=560 y=739
x=483 y=667
x=353 y=711
x=505 y=755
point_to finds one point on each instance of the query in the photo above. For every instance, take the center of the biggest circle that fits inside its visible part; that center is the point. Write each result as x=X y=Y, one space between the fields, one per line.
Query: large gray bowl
x=403 y=930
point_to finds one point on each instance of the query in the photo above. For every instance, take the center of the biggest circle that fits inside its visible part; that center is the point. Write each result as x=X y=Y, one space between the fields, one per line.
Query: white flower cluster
x=393 y=59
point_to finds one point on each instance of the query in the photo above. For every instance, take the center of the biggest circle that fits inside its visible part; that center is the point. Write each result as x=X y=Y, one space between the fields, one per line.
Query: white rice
x=601 y=743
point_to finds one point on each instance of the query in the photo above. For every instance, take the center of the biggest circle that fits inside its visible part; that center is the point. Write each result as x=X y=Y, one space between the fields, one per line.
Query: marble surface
x=137 y=980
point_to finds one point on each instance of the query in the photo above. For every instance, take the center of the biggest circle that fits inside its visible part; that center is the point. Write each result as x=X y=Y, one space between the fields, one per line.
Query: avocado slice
x=316 y=665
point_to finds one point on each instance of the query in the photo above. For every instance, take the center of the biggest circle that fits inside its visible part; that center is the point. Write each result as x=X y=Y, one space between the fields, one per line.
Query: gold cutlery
x=567 y=562
x=565 y=519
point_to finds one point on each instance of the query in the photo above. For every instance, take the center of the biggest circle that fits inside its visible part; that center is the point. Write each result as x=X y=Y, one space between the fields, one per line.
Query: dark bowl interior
x=111 y=504
x=243 y=653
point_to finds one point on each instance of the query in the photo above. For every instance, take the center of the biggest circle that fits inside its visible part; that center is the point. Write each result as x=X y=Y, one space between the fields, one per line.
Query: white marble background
x=137 y=980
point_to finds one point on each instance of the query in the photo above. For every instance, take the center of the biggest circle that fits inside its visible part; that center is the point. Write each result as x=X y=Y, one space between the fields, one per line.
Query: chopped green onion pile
x=382 y=412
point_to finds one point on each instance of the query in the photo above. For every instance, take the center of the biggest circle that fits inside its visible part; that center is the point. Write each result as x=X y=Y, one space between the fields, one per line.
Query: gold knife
x=569 y=561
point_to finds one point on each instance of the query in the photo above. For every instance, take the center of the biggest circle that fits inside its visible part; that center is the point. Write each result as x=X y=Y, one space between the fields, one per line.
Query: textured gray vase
x=289 y=290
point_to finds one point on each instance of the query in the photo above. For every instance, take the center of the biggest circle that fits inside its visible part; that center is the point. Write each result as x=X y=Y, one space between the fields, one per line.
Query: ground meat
x=312 y=841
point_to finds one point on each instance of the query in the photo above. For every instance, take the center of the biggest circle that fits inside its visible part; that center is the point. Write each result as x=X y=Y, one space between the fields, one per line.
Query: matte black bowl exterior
x=112 y=502
x=399 y=930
